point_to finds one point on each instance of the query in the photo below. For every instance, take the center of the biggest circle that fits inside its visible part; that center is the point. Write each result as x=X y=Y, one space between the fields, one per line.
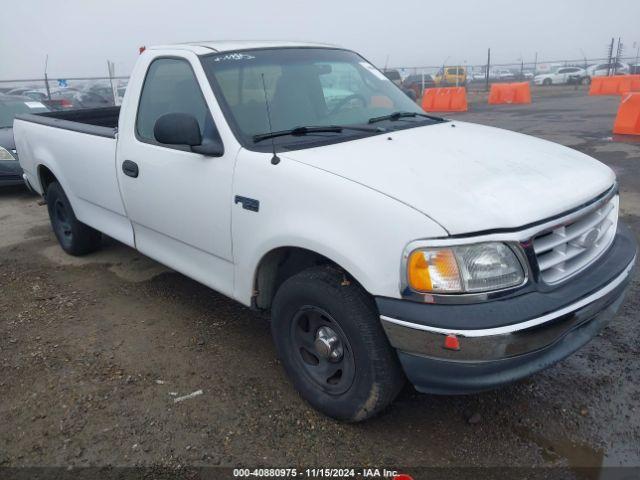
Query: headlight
x=5 y=154
x=464 y=268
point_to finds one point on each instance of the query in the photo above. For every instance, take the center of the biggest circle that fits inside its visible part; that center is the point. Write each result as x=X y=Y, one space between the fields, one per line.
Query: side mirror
x=183 y=129
x=177 y=129
x=209 y=147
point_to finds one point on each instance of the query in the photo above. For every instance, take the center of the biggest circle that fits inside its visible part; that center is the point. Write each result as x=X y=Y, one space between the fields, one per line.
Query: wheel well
x=46 y=177
x=280 y=264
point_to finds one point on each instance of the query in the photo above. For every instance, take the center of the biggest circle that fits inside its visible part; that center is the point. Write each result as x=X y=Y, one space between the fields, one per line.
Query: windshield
x=304 y=87
x=10 y=108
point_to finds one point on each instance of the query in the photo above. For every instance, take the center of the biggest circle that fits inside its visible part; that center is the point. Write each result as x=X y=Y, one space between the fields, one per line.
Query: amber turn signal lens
x=418 y=271
x=434 y=271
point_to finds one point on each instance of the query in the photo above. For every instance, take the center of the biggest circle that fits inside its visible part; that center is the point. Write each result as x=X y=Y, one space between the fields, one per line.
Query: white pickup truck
x=385 y=243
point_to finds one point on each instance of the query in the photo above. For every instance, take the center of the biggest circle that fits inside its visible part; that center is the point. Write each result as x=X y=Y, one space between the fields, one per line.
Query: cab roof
x=210 y=46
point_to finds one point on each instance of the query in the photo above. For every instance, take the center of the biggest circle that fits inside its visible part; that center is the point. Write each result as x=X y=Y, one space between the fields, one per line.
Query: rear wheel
x=332 y=345
x=74 y=237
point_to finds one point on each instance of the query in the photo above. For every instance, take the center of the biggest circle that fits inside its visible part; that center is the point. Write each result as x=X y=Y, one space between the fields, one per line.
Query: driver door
x=179 y=202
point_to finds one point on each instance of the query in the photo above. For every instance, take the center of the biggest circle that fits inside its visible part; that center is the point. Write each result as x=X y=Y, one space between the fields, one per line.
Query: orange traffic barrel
x=445 y=99
x=628 y=117
x=510 y=93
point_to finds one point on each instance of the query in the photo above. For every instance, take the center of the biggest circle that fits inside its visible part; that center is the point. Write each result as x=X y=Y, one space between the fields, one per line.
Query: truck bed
x=79 y=149
x=102 y=122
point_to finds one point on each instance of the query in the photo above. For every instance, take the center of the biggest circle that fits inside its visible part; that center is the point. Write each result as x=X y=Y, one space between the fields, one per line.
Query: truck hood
x=467 y=177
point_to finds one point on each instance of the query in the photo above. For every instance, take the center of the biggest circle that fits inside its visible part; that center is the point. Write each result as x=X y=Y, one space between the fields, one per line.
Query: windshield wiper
x=312 y=129
x=398 y=115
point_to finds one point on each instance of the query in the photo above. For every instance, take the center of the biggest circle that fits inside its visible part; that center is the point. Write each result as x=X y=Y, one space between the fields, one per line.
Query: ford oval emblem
x=590 y=238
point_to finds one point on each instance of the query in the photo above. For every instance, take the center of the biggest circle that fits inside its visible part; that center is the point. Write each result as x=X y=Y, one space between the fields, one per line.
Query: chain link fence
x=91 y=92
x=69 y=92
x=479 y=76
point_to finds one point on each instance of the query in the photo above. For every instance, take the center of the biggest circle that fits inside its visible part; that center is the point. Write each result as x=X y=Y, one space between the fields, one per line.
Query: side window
x=171 y=87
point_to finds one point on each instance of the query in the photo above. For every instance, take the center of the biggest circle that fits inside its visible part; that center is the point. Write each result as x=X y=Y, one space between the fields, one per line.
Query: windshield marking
x=233 y=56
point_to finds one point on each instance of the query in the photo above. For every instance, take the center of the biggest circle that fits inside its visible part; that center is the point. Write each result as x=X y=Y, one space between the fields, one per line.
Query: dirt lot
x=95 y=350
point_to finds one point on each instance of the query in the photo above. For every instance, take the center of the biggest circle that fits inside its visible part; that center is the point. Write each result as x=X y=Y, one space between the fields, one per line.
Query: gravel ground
x=95 y=351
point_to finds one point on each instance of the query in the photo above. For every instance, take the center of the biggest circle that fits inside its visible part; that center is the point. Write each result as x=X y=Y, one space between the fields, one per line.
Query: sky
x=80 y=35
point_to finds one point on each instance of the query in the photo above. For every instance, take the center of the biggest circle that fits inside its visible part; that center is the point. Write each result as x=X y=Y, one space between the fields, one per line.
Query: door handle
x=130 y=168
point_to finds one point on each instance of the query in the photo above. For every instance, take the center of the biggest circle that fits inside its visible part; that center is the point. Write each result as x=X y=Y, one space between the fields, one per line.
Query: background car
x=39 y=95
x=527 y=74
x=561 y=76
x=478 y=75
x=417 y=83
x=102 y=89
x=603 y=69
x=501 y=75
x=451 y=76
x=10 y=106
x=19 y=90
x=71 y=98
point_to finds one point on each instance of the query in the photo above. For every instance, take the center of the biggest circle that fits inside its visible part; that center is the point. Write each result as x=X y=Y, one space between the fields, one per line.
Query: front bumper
x=535 y=331
x=11 y=180
x=10 y=173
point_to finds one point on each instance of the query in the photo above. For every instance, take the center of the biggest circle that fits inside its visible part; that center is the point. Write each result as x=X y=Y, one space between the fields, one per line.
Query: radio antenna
x=275 y=159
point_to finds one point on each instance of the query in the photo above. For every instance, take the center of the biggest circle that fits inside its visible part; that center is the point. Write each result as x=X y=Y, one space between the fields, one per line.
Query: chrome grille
x=569 y=248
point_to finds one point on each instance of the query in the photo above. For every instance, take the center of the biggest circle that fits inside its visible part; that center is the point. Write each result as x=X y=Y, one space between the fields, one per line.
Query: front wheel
x=74 y=237
x=328 y=335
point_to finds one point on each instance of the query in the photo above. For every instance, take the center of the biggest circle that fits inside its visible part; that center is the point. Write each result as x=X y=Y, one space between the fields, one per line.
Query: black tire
x=74 y=237
x=546 y=82
x=368 y=376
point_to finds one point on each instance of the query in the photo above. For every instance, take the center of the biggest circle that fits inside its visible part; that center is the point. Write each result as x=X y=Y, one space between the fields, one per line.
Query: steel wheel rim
x=321 y=350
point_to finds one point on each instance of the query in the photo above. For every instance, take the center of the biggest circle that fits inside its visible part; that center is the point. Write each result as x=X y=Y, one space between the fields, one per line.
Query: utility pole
x=46 y=80
x=535 y=64
x=486 y=76
x=443 y=77
x=111 y=68
x=585 y=58
x=618 y=56
x=609 y=55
